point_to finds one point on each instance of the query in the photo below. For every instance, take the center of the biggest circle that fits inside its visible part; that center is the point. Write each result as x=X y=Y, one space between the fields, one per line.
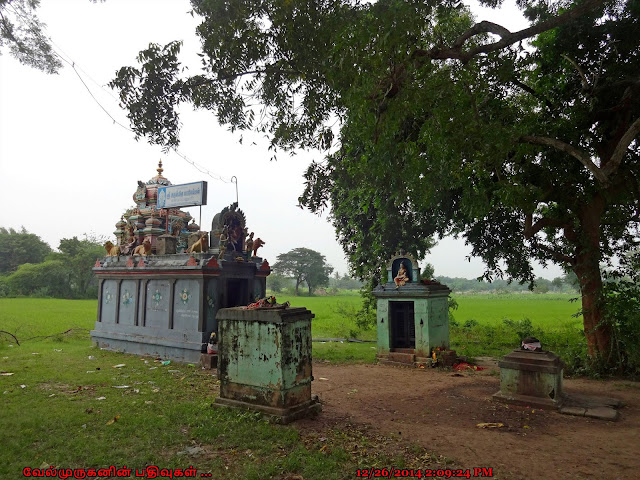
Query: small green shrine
x=413 y=314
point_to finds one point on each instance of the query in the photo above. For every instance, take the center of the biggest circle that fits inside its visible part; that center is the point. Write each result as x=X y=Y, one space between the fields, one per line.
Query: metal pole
x=200 y=217
x=234 y=179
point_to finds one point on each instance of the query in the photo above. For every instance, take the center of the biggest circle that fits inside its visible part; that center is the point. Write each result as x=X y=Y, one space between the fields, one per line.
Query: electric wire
x=60 y=53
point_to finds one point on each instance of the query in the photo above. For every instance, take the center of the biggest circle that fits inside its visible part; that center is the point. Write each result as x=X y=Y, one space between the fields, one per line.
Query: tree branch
x=583 y=78
x=531 y=229
x=616 y=158
x=12 y=335
x=566 y=148
x=507 y=38
x=530 y=90
x=557 y=256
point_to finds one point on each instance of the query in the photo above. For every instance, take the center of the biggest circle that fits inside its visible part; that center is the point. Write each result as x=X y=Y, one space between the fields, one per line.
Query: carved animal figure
x=112 y=250
x=144 y=249
x=257 y=243
x=200 y=245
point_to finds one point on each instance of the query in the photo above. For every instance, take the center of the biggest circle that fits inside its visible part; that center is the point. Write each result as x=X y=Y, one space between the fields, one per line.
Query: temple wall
x=167 y=306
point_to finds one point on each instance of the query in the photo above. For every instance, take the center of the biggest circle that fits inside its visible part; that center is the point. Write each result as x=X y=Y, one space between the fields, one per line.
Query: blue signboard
x=185 y=195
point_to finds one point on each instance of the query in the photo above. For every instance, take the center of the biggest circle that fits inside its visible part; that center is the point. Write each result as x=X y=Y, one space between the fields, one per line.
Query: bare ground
x=439 y=410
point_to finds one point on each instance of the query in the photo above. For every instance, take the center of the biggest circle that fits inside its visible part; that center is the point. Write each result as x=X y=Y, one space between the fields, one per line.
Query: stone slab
x=570 y=410
x=171 y=350
x=527 y=400
x=546 y=362
x=602 y=408
x=603 y=413
x=589 y=401
x=277 y=415
x=400 y=357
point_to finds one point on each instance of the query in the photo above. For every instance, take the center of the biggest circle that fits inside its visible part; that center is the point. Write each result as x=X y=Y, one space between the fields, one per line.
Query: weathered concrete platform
x=531 y=378
x=264 y=361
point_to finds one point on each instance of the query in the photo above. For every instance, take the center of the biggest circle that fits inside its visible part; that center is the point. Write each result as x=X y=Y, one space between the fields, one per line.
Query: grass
x=62 y=408
x=54 y=413
x=493 y=325
x=30 y=317
x=70 y=405
x=344 y=352
x=333 y=315
x=547 y=311
x=488 y=325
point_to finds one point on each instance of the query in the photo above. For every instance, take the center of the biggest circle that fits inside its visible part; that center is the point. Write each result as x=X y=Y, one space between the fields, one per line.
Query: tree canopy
x=33 y=269
x=20 y=247
x=22 y=33
x=305 y=266
x=525 y=143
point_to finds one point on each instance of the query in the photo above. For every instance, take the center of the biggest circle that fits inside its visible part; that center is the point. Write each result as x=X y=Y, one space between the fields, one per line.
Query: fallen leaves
x=113 y=420
x=490 y=425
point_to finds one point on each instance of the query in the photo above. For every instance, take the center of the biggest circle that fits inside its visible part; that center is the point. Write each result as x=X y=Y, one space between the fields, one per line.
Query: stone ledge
x=277 y=415
x=527 y=400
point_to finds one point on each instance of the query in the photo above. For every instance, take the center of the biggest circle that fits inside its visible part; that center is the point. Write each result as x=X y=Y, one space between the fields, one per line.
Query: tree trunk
x=587 y=268
x=298 y=281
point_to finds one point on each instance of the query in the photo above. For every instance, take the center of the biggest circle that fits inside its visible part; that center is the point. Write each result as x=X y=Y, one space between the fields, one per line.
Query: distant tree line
x=565 y=284
x=30 y=267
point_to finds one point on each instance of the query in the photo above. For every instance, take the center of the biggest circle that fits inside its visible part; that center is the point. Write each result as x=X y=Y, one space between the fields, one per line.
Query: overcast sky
x=67 y=169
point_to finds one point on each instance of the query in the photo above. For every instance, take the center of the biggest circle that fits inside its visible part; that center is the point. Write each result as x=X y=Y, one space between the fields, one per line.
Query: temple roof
x=159 y=179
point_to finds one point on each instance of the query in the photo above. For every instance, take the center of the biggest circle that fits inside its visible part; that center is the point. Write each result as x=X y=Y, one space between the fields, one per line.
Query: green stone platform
x=264 y=361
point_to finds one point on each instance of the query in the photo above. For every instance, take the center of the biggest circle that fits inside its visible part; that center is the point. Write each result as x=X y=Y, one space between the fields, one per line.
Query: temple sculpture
x=164 y=280
x=146 y=221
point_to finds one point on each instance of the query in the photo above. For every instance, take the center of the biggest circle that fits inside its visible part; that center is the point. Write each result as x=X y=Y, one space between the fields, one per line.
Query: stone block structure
x=264 y=361
x=412 y=315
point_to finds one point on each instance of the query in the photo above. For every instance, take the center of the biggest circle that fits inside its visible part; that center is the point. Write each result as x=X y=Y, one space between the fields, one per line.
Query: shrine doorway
x=237 y=293
x=403 y=327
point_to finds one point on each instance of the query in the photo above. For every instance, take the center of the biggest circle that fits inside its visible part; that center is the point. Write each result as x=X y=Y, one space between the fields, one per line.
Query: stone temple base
x=264 y=361
x=531 y=378
x=278 y=415
x=186 y=352
x=529 y=400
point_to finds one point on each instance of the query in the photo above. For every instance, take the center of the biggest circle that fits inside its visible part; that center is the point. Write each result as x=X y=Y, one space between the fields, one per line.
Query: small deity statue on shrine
x=177 y=228
x=401 y=278
x=132 y=241
x=248 y=244
x=235 y=237
x=224 y=237
x=257 y=243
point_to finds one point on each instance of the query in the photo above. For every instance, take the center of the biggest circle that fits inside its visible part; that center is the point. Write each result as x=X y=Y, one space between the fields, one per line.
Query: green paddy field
x=488 y=325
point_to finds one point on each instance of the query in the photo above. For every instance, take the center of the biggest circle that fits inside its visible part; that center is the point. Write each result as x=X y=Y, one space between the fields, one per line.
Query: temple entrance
x=403 y=328
x=237 y=293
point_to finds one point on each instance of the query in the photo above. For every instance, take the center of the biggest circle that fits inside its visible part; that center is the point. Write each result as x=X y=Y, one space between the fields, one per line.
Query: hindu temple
x=162 y=284
x=412 y=315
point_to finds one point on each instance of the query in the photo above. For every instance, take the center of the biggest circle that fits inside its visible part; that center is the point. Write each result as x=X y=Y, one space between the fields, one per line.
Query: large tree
x=79 y=257
x=523 y=142
x=304 y=266
x=17 y=248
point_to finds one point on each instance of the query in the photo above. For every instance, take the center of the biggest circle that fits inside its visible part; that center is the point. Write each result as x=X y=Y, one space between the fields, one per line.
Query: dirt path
x=439 y=410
